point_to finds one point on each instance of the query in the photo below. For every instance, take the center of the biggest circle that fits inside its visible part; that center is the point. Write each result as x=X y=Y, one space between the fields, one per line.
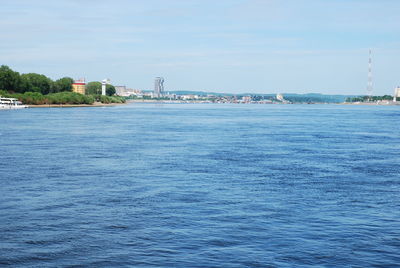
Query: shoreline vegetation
x=95 y=104
x=62 y=98
x=37 y=89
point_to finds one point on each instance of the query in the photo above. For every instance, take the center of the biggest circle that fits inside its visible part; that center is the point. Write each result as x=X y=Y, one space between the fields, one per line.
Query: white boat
x=11 y=103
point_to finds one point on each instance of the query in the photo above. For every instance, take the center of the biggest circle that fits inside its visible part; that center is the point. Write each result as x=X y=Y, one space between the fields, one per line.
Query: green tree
x=9 y=80
x=110 y=90
x=93 y=88
x=387 y=97
x=62 y=84
x=36 y=83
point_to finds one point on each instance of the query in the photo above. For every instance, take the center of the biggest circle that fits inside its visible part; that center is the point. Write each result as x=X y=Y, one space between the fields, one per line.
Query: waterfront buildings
x=246 y=99
x=136 y=92
x=159 y=87
x=123 y=91
x=190 y=97
x=281 y=99
x=120 y=90
x=79 y=86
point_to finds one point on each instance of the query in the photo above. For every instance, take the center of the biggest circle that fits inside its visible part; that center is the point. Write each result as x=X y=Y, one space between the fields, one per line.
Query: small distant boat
x=11 y=103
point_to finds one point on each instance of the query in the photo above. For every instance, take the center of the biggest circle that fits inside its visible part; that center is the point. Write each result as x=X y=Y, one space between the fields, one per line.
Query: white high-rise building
x=159 y=87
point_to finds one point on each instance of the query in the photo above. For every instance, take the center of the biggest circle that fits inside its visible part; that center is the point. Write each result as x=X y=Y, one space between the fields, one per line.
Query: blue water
x=200 y=185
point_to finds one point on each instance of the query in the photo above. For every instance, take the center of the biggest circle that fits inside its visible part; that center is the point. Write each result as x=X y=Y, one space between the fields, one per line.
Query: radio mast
x=369 y=84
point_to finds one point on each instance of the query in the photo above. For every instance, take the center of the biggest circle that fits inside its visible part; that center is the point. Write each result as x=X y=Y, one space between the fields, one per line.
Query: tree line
x=33 y=88
x=369 y=98
x=12 y=81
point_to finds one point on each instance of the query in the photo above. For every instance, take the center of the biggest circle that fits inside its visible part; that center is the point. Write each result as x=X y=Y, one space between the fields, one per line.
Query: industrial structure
x=159 y=87
x=78 y=86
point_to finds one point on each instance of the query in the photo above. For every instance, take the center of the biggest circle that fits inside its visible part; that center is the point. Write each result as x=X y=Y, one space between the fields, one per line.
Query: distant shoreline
x=205 y=102
x=372 y=103
x=99 y=104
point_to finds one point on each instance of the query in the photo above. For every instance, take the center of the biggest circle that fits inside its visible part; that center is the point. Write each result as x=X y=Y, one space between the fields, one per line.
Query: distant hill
x=316 y=97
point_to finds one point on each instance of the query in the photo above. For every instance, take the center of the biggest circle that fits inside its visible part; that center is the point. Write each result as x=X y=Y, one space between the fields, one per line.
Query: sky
x=233 y=46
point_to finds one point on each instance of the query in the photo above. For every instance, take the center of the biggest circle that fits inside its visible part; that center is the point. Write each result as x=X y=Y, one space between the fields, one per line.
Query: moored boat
x=11 y=103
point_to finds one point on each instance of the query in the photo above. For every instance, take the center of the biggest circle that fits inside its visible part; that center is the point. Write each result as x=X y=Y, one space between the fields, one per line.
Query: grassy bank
x=36 y=98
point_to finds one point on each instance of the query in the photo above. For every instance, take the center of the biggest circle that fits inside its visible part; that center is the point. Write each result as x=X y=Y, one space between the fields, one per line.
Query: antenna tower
x=369 y=84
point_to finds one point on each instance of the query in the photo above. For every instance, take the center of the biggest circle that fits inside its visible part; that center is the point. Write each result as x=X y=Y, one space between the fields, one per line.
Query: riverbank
x=99 y=104
x=96 y=104
x=380 y=103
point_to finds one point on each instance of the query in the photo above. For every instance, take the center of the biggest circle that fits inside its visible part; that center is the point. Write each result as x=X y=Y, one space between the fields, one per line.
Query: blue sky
x=256 y=46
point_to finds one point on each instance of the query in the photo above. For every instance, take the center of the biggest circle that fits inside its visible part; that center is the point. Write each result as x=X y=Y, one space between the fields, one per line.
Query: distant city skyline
x=231 y=46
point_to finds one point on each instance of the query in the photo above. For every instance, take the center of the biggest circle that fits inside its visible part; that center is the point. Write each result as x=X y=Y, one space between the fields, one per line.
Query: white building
x=159 y=87
x=396 y=94
x=120 y=90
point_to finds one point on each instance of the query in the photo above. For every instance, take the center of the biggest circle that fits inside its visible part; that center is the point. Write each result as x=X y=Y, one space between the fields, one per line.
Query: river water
x=200 y=185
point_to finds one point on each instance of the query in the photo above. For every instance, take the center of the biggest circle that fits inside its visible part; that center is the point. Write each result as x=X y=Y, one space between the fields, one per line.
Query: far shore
x=390 y=103
x=99 y=104
x=382 y=103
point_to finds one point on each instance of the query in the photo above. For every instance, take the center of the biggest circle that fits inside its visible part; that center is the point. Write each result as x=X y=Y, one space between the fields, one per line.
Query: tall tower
x=396 y=94
x=104 y=86
x=159 y=87
x=369 y=84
